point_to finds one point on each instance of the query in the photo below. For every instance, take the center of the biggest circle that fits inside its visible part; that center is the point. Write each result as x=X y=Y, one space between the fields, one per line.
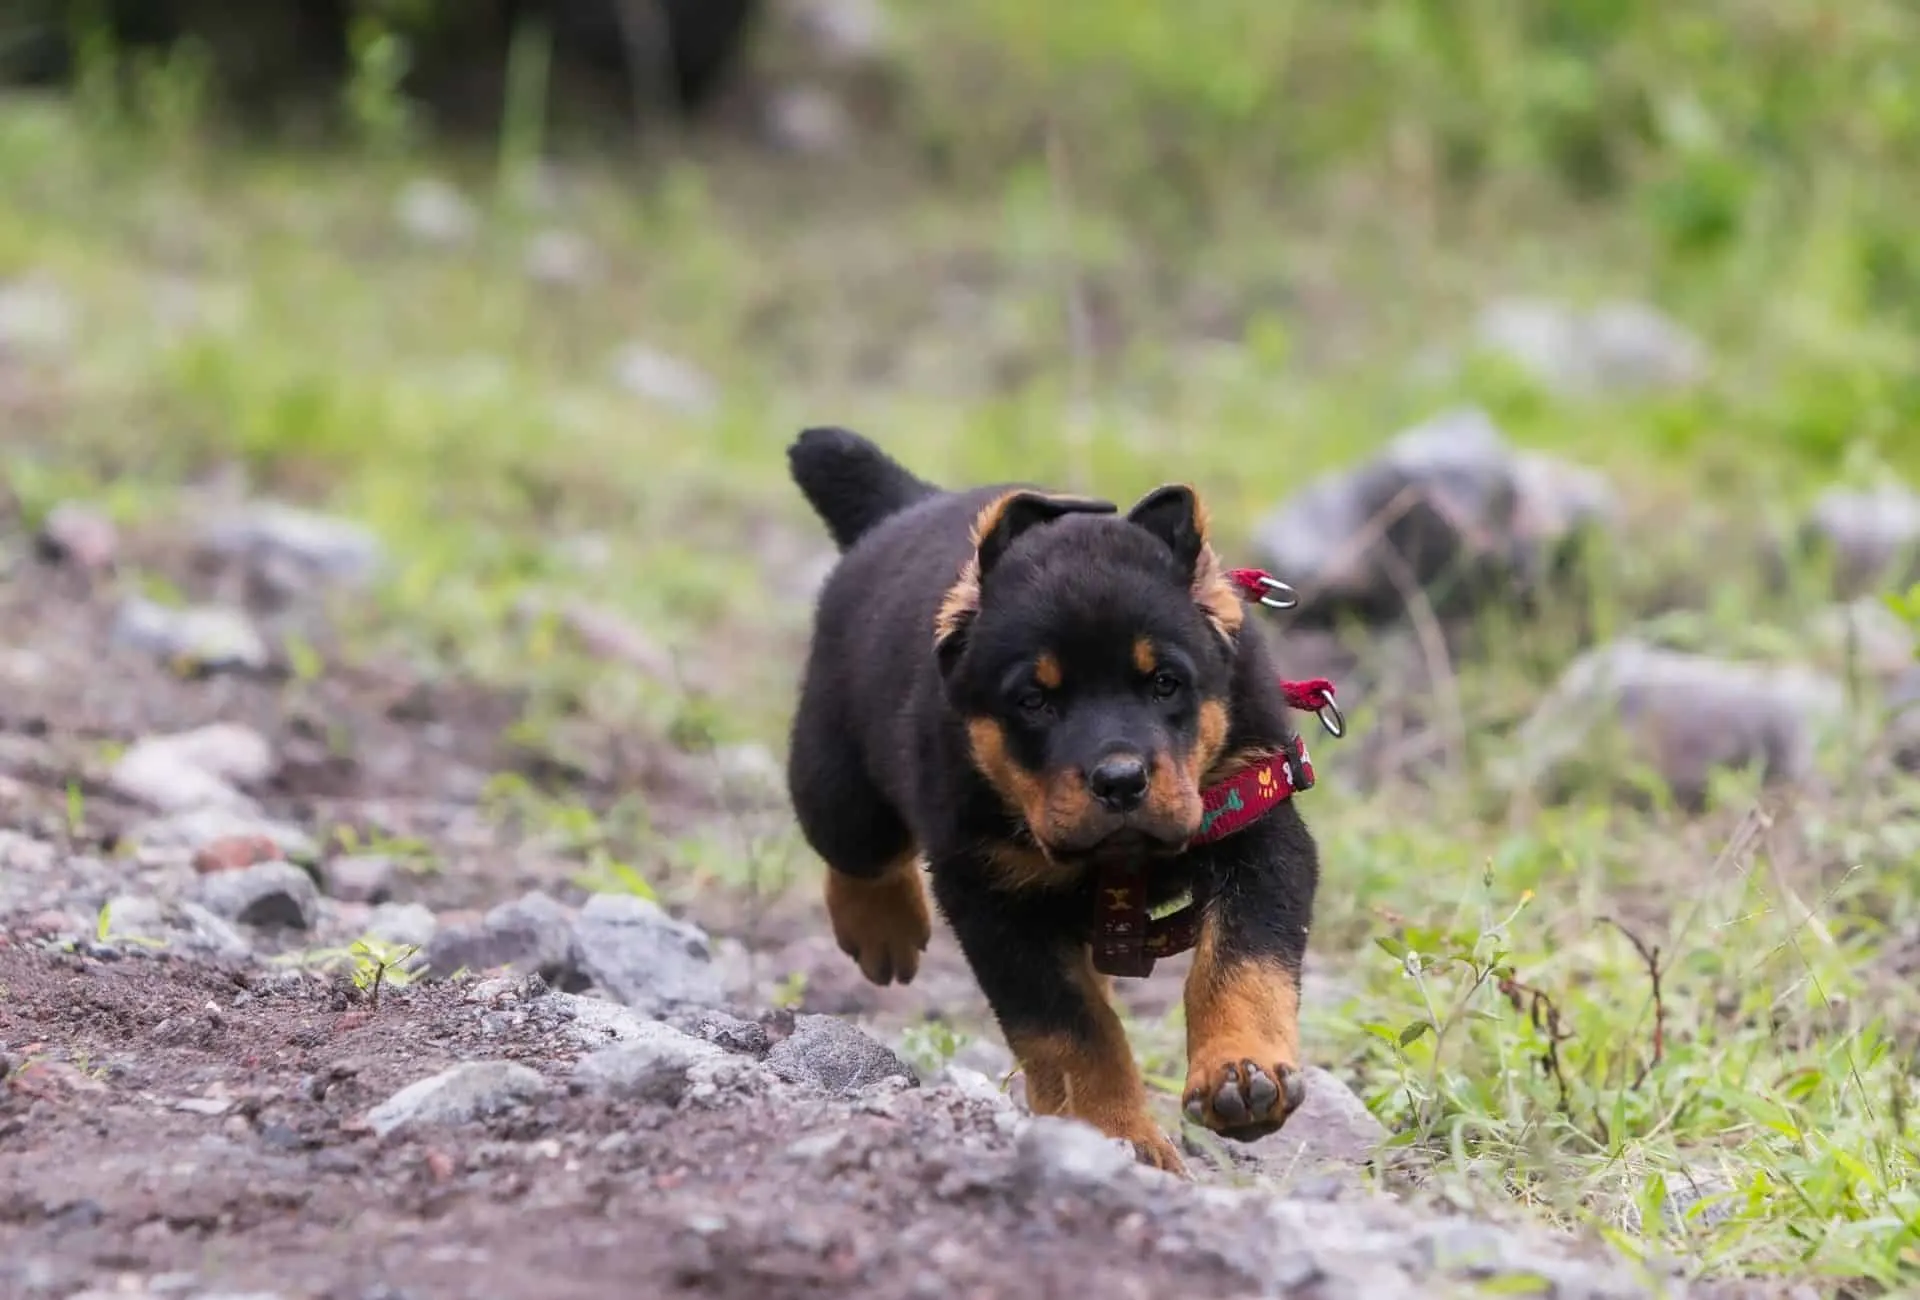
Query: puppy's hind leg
x=875 y=897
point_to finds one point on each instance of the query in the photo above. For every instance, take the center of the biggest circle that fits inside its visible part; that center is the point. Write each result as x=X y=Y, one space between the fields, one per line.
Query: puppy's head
x=1089 y=655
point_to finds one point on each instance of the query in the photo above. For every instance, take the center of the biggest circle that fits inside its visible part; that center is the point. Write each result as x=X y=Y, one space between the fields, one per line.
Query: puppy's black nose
x=1119 y=782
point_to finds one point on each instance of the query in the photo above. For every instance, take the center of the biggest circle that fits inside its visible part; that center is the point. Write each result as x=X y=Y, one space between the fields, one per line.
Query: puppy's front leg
x=1243 y=992
x=1053 y=1008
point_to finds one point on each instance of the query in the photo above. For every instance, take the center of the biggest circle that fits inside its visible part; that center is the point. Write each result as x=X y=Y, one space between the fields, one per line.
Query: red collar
x=1128 y=939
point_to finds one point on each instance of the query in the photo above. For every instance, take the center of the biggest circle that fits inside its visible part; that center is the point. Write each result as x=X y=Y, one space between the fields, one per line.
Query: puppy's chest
x=1167 y=882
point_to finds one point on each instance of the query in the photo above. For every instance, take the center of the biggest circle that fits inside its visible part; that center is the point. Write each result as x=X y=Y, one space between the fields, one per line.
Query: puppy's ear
x=1176 y=515
x=995 y=529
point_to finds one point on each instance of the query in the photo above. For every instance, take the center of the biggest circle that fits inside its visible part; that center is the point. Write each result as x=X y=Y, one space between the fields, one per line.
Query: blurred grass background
x=1102 y=244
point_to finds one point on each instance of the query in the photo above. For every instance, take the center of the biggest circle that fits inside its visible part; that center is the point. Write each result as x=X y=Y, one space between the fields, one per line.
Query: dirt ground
x=197 y=1124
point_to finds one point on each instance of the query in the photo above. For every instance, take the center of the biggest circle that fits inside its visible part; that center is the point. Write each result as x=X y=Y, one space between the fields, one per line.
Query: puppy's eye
x=1031 y=701
x=1165 y=686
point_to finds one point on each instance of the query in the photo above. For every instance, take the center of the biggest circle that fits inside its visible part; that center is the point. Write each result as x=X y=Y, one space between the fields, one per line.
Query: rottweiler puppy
x=1040 y=696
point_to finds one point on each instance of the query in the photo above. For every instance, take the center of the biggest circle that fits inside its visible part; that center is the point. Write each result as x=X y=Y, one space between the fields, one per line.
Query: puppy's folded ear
x=995 y=529
x=1176 y=515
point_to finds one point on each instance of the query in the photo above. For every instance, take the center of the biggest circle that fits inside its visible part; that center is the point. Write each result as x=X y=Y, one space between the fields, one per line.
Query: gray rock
x=634 y=952
x=560 y=257
x=1903 y=725
x=359 y=878
x=209 y=638
x=272 y=895
x=1864 y=637
x=1618 y=347
x=988 y=1056
x=434 y=212
x=291 y=548
x=36 y=318
x=186 y=832
x=838 y=34
x=1871 y=537
x=834 y=1056
x=972 y=1085
x=187 y=928
x=78 y=535
x=1696 y=1199
x=531 y=933
x=1683 y=716
x=195 y=769
x=749 y=770
x=166 y=784
x=1055 y=1153
x=1448 y=507
x=469 y=1091
x=652 y=1066
x=406 y=925
x=809 y=121
x=725 y=1031
x=666 y=381
x=594 y=1022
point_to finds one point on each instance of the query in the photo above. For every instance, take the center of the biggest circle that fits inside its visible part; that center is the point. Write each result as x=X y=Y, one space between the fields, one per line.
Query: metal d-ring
x=1331 y=718
x=1277 y=594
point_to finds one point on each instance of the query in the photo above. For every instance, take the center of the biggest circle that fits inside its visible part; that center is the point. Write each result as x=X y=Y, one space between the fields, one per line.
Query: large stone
x=434 y=212
x=1903 y=707
x=1058 y=1153
x=666 y=381
x=1617 y=347
x=634 y=952
x=1684 y=716
x=360 y=877
x=1448 y=509
x=36 y=317
x=186 y=928
x=651 y=1066
x=272 y=895
x=405 y=925
x=593 y=1022
x=835 y=1056
x=76 y=534
x=207 y=638
x=1872 y=538
x=195 y=769
x=291 y=548
x=532 y=933
x=466 y=1092
x=1862 y=639
x=187 y=832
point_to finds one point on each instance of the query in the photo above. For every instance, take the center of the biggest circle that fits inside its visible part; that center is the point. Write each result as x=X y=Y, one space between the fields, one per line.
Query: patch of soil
x=167 y=1128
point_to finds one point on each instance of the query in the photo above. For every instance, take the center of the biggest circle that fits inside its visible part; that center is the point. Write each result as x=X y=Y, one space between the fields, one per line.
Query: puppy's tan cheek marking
x=1173 y=797
x=1211 y=736
x=1026 y=793
x=1069 y=803
x=1046 y=671
x=1144 y=659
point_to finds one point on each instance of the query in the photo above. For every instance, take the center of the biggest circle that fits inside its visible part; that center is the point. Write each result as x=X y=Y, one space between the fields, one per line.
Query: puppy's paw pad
x=1243 y=1099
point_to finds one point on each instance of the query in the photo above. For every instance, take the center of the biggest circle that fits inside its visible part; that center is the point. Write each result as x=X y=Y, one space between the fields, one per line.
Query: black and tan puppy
x=1042 y=697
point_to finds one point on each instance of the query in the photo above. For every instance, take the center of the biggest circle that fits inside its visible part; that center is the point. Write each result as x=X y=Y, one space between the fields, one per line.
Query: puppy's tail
x=851 y=484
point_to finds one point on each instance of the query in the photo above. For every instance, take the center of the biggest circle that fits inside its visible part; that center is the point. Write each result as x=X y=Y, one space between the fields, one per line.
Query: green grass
x=1270 y=212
